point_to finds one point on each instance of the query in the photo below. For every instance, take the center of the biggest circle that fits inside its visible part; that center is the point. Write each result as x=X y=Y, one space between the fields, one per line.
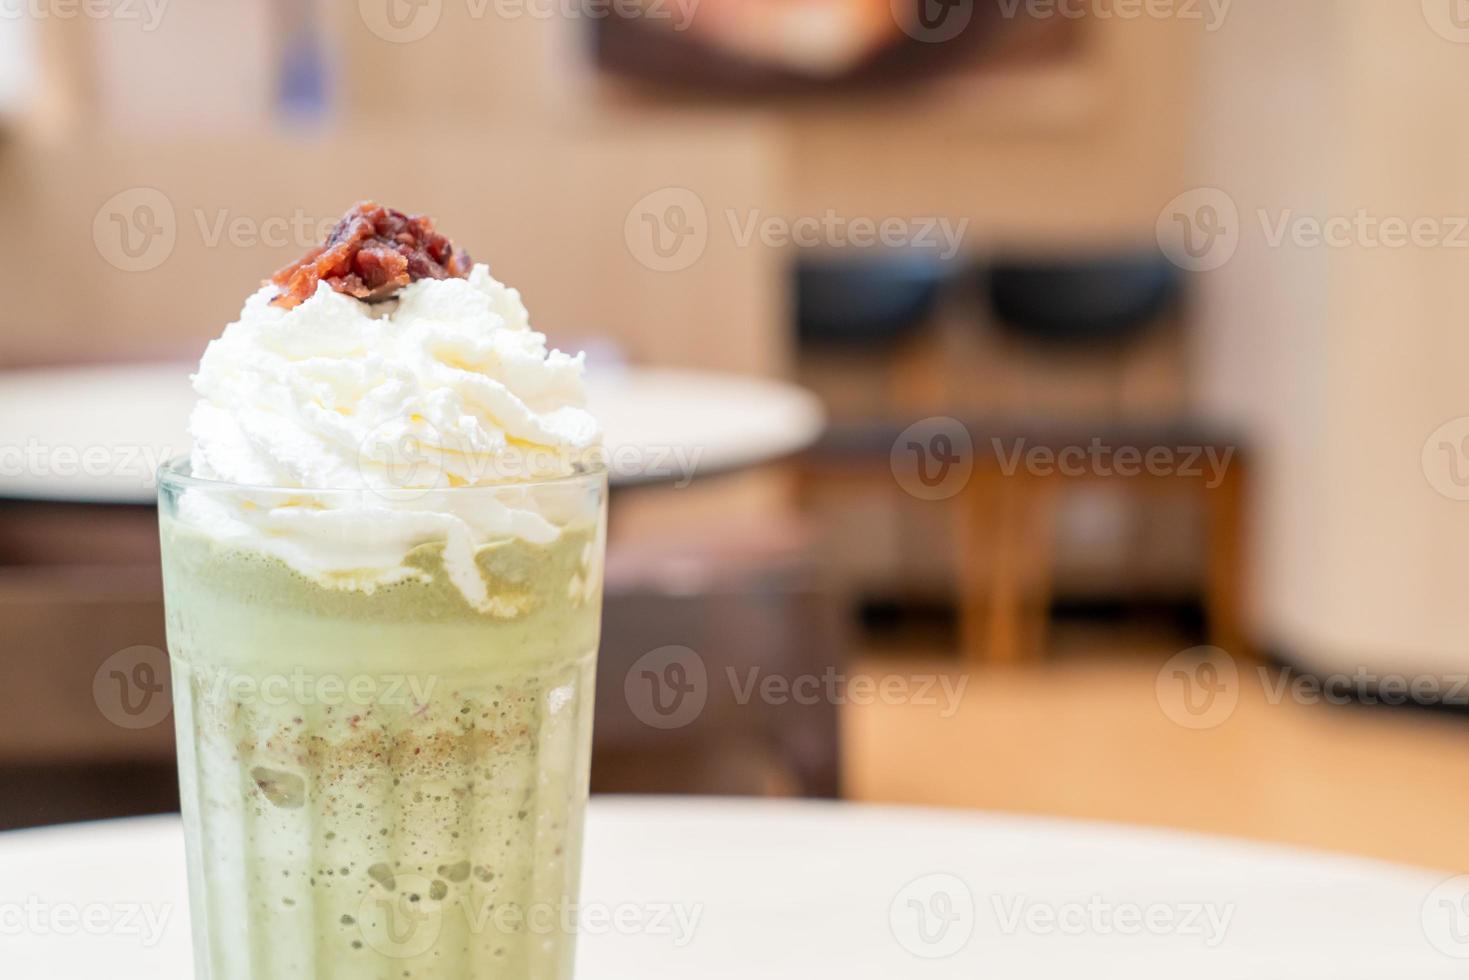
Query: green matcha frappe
x=382 y=567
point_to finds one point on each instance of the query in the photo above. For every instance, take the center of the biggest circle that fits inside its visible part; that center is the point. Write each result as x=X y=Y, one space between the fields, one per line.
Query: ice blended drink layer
x=382 y=565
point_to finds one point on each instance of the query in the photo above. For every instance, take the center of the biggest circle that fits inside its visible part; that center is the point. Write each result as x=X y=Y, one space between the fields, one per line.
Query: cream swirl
x=446 y=386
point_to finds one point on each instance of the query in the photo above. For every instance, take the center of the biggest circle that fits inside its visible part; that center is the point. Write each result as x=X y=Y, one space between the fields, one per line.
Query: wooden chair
x=1008 y=517
x=1005 y=521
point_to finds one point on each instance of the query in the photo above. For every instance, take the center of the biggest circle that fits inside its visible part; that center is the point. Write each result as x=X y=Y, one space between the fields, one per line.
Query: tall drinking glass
x=384 y=773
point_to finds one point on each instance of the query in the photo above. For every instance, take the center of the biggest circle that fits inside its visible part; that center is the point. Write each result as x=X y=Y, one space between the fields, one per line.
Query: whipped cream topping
x=446 y=386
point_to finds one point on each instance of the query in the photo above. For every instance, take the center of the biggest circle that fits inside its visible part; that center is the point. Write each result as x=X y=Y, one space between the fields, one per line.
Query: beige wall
x=1036 y=156
x=1342 y=361
x=547 y=212
x=536 y=166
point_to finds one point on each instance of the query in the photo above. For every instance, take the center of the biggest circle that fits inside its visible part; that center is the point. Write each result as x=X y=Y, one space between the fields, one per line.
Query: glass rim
x=177 y=472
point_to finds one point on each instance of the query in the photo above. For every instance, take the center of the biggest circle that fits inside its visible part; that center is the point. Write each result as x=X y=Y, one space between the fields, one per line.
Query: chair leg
x=979 y=521
x=1006 y=600
x=1038 y=503
x=1006 y=565
x=1226 y=513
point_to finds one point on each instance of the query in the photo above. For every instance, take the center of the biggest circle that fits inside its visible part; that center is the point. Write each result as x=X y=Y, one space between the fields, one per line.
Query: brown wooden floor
x=1084 y=736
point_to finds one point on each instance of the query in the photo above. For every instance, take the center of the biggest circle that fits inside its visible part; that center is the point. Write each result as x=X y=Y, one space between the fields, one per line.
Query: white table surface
x=97 y=434
x=796 y=891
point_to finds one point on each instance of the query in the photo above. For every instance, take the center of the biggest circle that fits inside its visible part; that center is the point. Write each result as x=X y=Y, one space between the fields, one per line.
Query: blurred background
x=1048 y=407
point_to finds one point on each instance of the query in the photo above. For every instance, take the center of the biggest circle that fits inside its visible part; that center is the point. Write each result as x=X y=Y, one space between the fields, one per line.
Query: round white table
x=720 y=889
x=97 y=435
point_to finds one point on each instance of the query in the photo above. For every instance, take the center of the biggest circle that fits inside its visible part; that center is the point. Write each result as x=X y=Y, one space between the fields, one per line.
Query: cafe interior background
x=1088 y=377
